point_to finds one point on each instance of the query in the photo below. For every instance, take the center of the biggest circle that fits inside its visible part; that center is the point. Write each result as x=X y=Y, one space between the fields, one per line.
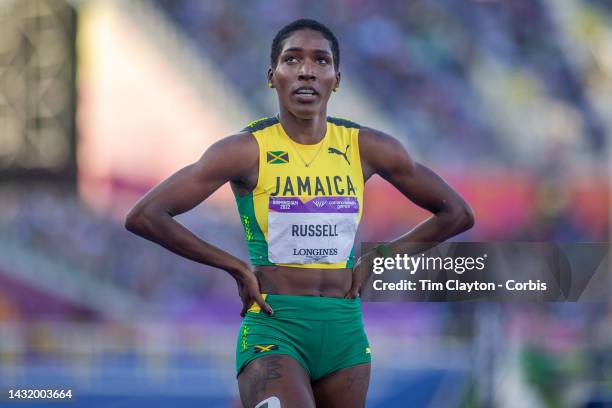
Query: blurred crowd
x=433 y=67
x=56 y=224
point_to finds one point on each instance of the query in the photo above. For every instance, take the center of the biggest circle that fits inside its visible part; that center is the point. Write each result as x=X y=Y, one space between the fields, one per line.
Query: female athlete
x=298 y=180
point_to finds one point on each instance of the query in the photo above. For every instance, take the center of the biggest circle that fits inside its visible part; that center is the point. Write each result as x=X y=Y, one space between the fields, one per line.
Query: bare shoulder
x=381 y=153
x=371 y=140
x=235 y=156
x=242 y=145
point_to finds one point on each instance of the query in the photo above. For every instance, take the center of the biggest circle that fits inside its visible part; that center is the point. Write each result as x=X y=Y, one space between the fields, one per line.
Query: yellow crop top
x=307 y=204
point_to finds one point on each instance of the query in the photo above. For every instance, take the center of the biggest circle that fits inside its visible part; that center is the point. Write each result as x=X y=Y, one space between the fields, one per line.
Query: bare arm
x=234 y=159
x=385 y=156
x=381 y=154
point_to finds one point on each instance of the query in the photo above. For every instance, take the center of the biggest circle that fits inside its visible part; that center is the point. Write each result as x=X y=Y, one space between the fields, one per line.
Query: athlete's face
x=304 y=76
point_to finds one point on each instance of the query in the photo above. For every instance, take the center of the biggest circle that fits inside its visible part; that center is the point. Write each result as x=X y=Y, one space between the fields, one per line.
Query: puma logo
x=338 y=152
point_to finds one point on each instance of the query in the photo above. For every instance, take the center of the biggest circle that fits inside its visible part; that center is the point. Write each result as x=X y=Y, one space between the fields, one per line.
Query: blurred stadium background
x=511 y=101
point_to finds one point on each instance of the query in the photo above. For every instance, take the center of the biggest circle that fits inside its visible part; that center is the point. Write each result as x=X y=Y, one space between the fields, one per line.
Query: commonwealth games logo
x=319 y=203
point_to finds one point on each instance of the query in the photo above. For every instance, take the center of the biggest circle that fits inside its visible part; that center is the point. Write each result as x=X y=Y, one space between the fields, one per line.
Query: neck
x=304 y=131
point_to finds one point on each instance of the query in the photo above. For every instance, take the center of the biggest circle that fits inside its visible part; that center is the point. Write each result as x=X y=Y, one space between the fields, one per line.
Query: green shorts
x=323 y=334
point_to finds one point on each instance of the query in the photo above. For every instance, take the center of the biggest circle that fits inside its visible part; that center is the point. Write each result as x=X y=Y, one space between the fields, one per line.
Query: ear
x=270 y=76
x=338 y=76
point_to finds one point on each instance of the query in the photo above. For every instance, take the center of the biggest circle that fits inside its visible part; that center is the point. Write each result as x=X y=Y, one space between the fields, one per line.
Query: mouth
x=305 y=94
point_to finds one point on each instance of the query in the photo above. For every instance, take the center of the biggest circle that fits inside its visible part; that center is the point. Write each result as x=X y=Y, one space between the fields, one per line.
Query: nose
x=306 y=71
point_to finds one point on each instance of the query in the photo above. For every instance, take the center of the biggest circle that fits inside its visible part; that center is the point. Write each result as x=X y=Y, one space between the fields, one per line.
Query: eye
x=290 y=59
x=322 y=61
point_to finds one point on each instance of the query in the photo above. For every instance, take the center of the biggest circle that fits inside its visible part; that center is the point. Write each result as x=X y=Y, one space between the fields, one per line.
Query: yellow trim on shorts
x=255 y=307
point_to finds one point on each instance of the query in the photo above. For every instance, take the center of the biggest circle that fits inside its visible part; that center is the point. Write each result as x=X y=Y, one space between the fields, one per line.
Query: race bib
x=316 y=230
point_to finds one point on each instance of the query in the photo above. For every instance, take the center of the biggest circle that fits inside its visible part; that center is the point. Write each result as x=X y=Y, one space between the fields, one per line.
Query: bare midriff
x=284 y=280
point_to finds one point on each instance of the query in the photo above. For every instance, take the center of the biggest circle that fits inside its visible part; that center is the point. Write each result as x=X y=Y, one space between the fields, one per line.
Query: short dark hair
x=303 y=24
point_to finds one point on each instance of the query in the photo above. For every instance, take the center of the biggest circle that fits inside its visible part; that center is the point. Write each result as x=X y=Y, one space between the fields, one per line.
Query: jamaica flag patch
x=278 y=157
x=262 y=349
